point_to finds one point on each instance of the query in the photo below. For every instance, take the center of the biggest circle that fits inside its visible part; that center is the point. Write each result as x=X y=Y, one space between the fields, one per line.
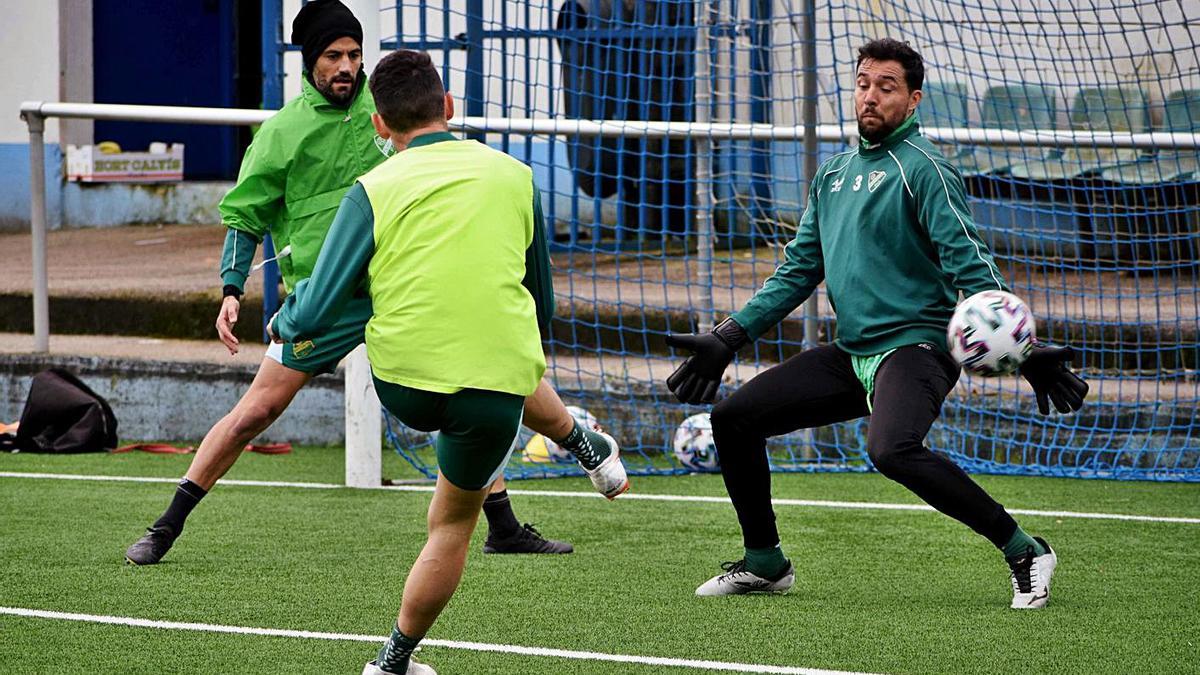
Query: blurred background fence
x=659 y=233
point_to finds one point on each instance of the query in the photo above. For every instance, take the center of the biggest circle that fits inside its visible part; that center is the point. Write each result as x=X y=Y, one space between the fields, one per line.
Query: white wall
x=291 y=60
x=29 y=35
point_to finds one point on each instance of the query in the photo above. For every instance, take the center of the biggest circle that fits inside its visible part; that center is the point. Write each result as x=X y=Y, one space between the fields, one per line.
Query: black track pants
x=818 y=387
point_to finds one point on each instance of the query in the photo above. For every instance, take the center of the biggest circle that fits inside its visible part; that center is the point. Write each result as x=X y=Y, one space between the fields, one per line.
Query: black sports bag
x=63 y=415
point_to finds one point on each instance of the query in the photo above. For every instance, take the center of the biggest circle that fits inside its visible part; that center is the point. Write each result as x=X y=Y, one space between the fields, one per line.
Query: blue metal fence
x=1103 y=246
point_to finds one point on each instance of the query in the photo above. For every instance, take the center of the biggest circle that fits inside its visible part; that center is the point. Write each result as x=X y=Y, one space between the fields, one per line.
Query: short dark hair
x=887 y=49
x=408 y=90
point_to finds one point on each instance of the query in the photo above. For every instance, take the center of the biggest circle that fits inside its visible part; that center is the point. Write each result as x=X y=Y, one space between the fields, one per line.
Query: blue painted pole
x=474 y=82
x=272 y=99
x=760 y=106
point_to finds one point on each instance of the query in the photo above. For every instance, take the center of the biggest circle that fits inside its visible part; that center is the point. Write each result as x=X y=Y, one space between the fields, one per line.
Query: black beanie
x=318 y=24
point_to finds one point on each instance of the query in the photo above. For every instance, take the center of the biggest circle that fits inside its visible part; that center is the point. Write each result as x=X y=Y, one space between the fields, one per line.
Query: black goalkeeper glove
x=1052 y=381
x=696 y=379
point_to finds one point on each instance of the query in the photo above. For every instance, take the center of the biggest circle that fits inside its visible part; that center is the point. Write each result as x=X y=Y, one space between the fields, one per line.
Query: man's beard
x=881 y=132
x=333 y=97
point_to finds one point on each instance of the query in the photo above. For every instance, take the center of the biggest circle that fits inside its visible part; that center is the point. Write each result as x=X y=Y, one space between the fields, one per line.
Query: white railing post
x=364 y=424
x=37 y=227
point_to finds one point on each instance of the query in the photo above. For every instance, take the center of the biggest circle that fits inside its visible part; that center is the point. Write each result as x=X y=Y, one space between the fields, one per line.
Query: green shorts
x=323 y=353
x=477 y=429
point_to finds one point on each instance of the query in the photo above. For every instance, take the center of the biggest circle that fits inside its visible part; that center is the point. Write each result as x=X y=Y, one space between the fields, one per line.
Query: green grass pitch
x=877 y=591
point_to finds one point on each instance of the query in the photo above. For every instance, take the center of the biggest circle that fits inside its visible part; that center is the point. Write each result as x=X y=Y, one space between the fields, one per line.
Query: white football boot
x=737 y=580
x=414 y=668
x=609 y=478
x=1030 y=576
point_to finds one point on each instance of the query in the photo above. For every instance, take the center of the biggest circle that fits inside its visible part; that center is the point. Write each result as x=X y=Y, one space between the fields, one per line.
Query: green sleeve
x=942 y=210
x=793 y=281
x=255 y=203
x=236 y=257
x=538 y=280
x=317 y=302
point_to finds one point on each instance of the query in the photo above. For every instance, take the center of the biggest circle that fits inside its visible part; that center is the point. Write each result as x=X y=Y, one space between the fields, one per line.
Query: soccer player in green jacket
x=447 y=237
x=888 y=229
x=292 y=179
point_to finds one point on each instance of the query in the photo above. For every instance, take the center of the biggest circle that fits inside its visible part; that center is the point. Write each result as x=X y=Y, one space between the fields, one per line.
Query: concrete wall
x=178 y=401
x=109 y=204
x=14 y=189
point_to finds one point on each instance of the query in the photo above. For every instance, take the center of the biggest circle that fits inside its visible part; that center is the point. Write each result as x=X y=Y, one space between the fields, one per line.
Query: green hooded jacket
x=293 y=177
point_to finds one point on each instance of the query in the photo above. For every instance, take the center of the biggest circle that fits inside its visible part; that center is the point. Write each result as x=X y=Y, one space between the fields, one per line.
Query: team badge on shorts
x=302 y=349
x=875 y=179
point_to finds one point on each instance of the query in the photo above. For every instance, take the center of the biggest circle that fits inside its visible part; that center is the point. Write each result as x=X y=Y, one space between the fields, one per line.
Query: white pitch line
x=448 y=644
x=814 y=503
x=155 y=479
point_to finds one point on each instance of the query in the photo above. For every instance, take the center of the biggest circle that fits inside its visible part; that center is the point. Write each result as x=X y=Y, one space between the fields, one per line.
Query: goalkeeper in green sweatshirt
x=888 y=230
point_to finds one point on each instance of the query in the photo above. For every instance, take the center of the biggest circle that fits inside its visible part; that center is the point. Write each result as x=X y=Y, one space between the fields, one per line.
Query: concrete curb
x=178 y=400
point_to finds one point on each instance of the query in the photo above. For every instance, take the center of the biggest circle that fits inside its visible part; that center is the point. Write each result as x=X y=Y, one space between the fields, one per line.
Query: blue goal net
x=668 y=216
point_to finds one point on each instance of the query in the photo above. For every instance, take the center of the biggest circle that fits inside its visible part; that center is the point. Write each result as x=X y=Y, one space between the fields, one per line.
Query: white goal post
x=363 y=418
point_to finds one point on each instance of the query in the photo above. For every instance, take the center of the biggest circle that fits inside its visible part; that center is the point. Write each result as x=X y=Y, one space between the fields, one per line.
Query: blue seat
x=944 y=104
x=1016 y=107
x=1094 y=109
x=1181 y=114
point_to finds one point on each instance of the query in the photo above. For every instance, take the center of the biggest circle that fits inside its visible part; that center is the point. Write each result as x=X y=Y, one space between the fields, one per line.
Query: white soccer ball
x=694 y=446
x=543 y=450
x=991 y=333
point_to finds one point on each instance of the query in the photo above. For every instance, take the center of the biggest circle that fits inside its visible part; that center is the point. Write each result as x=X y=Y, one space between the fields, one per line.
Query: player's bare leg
x=546 y=414
x=453 y=513
x=434 y=576
x=499 y=486
x=596 y=451
x=269 y=395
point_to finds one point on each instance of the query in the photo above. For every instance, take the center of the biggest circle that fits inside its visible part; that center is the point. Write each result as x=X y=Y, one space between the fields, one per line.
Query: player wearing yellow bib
x=448 y=236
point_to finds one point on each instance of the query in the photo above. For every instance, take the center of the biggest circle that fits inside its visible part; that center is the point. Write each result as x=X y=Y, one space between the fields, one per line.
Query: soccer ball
x=991 y=333
x=694 y=446
x=542 y=450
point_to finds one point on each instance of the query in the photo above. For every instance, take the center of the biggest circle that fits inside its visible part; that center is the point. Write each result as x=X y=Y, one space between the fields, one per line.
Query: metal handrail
x=1034 y=138
x=35 y=114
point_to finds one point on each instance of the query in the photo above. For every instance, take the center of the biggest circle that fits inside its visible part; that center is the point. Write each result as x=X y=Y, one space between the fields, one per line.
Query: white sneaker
x=736 y=580
x=1030 y=577
x=414 y=668
x=609 y=478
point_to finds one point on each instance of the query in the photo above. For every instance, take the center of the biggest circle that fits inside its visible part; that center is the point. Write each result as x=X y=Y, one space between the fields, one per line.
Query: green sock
x=1021 y=542
x=766 y=562
x=394 y=655
x=589 y=447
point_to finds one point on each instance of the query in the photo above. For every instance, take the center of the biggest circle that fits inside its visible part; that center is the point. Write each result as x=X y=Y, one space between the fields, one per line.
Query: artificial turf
x=876 y=591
